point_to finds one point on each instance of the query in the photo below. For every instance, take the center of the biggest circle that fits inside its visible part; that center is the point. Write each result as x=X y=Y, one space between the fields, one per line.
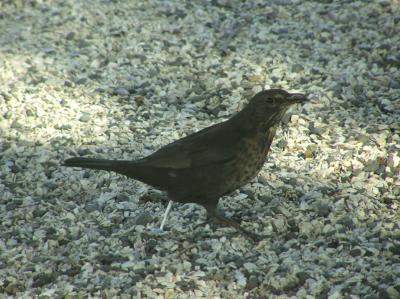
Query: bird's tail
x=156 y=177
x=102 y=164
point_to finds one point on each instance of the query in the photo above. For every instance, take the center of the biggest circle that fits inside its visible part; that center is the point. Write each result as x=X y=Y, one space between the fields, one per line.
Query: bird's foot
x=220 y=218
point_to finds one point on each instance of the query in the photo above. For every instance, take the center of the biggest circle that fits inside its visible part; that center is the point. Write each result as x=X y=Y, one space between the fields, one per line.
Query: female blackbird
x=202 y=167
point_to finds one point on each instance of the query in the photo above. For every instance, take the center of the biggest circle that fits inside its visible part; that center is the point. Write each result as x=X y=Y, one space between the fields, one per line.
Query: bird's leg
x=215 y=214
x=157 y=230
x=166 y=215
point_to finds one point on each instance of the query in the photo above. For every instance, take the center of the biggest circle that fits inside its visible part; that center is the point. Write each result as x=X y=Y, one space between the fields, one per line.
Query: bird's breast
x=251 y=156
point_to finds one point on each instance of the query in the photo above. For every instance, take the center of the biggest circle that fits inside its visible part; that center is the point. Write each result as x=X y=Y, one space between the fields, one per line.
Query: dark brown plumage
x=202 y=167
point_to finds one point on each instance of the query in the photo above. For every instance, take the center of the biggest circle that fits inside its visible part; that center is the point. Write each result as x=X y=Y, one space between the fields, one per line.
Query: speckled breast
x=253 y=153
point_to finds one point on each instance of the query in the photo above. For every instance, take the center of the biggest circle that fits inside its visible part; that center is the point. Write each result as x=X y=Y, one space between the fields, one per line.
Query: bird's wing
x=211 y=145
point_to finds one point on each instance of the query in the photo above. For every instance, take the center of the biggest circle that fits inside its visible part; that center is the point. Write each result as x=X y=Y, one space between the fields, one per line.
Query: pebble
x=121 y=91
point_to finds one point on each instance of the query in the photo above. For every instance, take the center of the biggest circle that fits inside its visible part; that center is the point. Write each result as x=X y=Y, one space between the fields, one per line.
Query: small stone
x=255 y=78
x=323 y=209
x=48 y=50
x=309 y=152
x=92 y=206
x=316 y=130
x=81 y=81
x=84 y=117
x=43 y=279
x=70 y=36
x=371 y=166
x=392 y=60
x=252 y=282
x=395 y=249
x=120 y=91
x=143 y=219
x=346 y=221
x=302 y=277
x=14 y=288
x=385 y=3
x=296 y=68
x=389 y=293
x=240 y=278
x=195 y=99
x=109 y=258
x=357 y=251
x=294 y=118
x=139 y=100
x=393 y=161
x=16 y=125
x=83 y=43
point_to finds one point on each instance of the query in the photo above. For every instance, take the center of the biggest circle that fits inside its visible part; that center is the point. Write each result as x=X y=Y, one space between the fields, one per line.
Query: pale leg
x=166 y=215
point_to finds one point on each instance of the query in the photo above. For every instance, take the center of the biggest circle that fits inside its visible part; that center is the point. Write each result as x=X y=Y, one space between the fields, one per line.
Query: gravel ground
x=119 y=79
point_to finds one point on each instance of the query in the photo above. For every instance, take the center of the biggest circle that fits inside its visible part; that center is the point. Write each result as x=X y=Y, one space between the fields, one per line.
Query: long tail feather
x=156 y=177
x=102 y=164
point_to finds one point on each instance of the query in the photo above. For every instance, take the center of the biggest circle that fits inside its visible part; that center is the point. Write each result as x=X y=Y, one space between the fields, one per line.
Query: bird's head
x=267 y=108
x=276 y=99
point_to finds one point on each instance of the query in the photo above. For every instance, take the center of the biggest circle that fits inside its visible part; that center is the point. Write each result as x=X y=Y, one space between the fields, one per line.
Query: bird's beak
x=297 y=98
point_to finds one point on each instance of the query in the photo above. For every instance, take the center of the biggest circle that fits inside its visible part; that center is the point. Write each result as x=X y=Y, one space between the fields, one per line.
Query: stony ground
x=119 y=79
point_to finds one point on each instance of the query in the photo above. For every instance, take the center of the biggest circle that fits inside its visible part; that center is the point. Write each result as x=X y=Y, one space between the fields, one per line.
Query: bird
x=215 y=161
